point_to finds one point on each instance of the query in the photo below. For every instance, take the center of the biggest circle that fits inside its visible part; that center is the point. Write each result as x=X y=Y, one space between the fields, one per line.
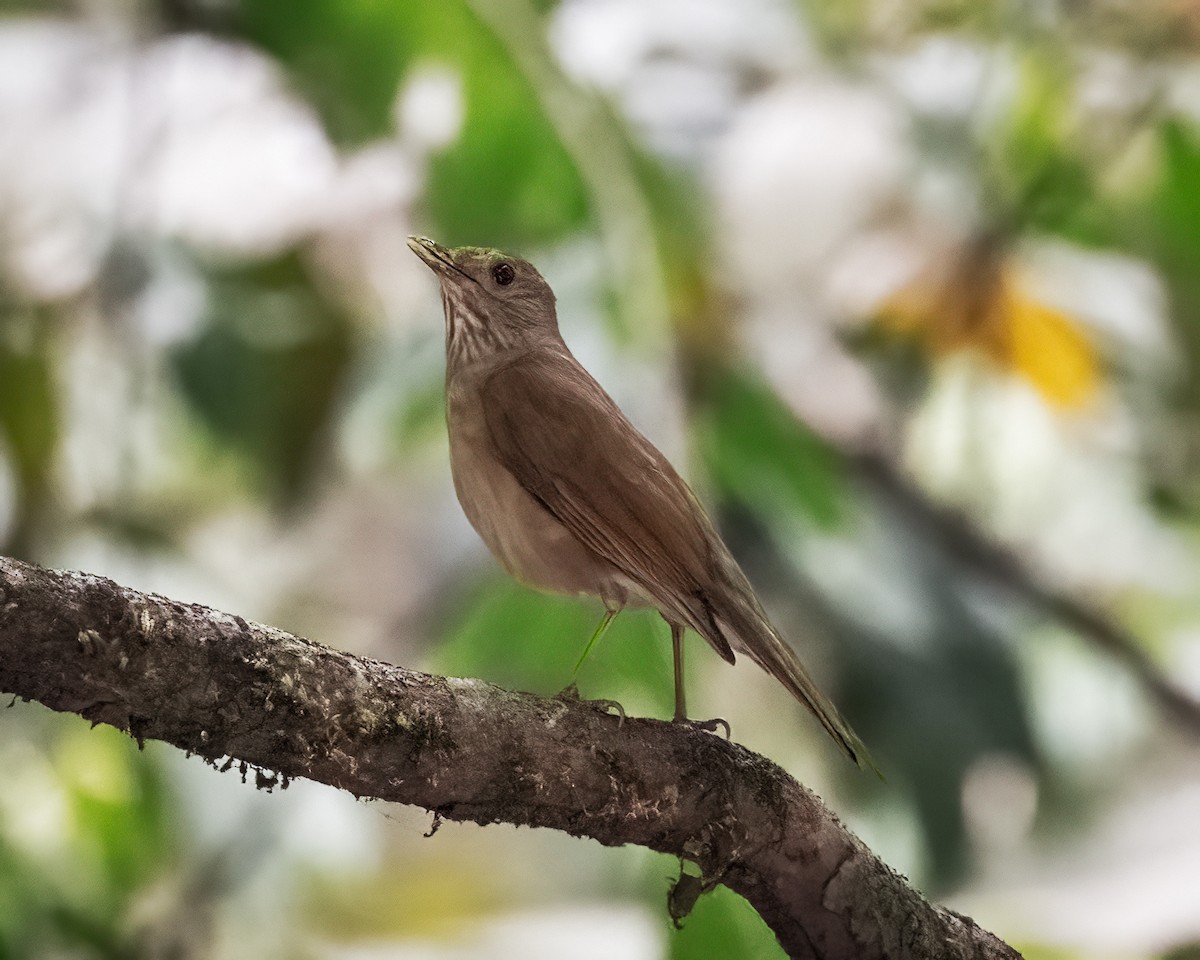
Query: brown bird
x=566 y=492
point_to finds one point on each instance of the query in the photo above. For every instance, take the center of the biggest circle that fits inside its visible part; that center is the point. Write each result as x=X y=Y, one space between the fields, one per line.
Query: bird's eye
x=503 y=274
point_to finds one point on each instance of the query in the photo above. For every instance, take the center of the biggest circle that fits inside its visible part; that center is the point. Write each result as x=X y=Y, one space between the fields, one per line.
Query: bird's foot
x=571 y=692
x=708 y=726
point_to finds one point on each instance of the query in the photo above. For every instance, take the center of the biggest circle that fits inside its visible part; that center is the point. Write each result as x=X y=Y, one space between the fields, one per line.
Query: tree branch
x=219 y=686
x=973 y=549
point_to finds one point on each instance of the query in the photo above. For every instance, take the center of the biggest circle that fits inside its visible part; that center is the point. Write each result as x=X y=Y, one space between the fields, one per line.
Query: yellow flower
x=980 y=305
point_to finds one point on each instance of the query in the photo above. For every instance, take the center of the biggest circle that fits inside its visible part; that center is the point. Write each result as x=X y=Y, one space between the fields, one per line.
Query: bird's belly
x=531 y=544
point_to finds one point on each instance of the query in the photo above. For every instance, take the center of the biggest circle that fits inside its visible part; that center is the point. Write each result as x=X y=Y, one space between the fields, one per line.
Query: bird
x=566 y=492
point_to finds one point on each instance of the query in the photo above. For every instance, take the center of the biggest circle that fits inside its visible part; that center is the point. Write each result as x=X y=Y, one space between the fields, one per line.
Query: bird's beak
x=436 y=257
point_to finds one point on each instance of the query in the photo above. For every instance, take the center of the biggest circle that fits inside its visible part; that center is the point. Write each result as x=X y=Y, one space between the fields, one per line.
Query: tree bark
x=224 y=688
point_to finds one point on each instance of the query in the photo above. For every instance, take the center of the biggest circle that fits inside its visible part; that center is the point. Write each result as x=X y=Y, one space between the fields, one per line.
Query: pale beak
x=436 y=257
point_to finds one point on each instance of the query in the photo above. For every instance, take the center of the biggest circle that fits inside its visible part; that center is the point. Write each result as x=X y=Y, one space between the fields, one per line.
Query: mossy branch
x=224 y=688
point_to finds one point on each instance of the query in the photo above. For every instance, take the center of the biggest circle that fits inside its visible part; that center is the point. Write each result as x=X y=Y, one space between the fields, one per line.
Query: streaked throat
x=469 y=335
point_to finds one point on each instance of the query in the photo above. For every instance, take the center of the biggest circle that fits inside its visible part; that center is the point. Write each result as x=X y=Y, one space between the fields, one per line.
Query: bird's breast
x=525 y=537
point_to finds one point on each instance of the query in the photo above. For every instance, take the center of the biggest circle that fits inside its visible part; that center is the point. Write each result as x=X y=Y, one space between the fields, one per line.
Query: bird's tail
x=748 y=631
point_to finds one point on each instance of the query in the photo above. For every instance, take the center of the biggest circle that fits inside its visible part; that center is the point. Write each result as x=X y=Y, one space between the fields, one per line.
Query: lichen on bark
x=232 y=691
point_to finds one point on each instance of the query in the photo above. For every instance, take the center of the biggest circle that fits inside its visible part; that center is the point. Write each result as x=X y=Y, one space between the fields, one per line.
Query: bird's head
x=493 y=301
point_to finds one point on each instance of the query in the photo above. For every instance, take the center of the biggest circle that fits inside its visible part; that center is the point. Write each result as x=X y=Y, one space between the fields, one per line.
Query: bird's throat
x=469 y=335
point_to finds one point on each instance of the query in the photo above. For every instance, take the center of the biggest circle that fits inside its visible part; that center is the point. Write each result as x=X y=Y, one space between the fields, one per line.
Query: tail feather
x=748 y=631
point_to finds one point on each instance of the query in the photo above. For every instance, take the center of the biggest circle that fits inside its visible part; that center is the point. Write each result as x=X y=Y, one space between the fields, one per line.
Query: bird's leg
x=610 y=614
x=677 y=652
x=571 y=691
x=680 y=698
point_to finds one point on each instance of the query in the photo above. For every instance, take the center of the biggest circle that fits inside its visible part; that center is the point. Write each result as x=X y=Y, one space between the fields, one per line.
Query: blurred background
x=909 y=290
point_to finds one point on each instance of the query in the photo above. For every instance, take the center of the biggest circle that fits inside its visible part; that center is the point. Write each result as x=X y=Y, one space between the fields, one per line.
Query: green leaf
x=723 y=924
x=515 y=637
x=1166 y=227
x=1040 y=178
x=506 y=182
x=1175 y=206
x=760 y=454
x=120 y=802
x=266 y=373
x=28 y=402
x=345 y=56
x=508 y=178
x=525 y=640
x=119 y=839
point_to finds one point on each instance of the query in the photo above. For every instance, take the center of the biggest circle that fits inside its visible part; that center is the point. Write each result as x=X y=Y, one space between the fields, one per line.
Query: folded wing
x=572 y=449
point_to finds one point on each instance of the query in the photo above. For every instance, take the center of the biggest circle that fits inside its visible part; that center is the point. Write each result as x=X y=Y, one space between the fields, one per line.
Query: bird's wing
x=570 y=447
x=573 y=450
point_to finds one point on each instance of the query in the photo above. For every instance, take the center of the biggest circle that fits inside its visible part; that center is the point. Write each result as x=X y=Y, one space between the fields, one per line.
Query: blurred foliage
x=1042 y=178
x=278 y=364
x=967 y=673
x=436 y=900
x=1168 y=228
x=85 y=830
x=28 y=407
x=507 y=177
x=518 y=638
x=266 y=372
x=759 y=453
x=722 y=924
x=899 y=696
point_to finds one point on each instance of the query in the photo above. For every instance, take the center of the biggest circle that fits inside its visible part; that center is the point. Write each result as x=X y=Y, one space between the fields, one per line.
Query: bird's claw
x=708 y=726
x=571 y=692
